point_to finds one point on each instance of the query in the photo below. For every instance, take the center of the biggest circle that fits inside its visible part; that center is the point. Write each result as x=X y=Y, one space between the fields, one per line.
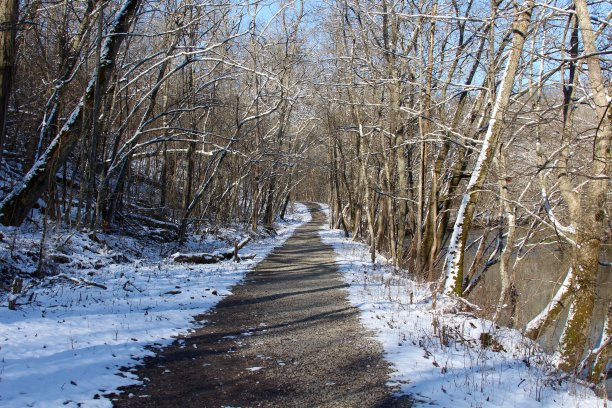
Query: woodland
x=456 y=137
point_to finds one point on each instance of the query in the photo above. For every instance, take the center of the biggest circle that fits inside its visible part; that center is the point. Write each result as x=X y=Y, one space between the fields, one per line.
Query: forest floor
x=106 y=301
x=286 y=337
x=312 y=323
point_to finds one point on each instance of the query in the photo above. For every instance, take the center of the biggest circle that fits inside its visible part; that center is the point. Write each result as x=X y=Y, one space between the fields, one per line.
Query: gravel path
x=286 y=337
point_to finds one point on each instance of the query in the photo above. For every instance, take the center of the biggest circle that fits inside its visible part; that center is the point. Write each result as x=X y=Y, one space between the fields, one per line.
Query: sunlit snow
x=437 y=354
x=65 y=345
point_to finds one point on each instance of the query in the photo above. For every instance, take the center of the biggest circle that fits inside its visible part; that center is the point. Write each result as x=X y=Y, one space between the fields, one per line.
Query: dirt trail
x=286 y=337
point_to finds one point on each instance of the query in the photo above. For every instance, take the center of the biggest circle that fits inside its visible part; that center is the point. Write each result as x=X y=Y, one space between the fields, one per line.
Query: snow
x=105 y=55
x=66 y=343
x=565 y=287
x=446 y=358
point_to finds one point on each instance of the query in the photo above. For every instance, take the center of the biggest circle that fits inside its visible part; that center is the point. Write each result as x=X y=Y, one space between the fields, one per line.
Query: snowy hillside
x=447 y=358
x=111 y=301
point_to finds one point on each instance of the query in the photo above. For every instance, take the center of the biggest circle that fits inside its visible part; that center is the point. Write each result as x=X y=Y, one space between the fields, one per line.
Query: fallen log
x=198 y=258
x=208 y=258
x=77 y=282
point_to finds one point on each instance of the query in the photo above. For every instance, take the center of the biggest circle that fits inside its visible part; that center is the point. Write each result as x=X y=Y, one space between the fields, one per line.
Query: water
x=538 y=275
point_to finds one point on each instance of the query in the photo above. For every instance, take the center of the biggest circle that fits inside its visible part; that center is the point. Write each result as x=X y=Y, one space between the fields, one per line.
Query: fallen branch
x=238 y=247
x=208 y=258
x=460 y=305
x=80 y=281
x=249 y=256
x=534 y=328
x=198 y=258
x=129 y=283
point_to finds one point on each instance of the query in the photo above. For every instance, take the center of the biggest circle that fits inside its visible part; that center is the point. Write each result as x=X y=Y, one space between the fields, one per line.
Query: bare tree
x=9 y=11
x=15 y=207
x=465 y=213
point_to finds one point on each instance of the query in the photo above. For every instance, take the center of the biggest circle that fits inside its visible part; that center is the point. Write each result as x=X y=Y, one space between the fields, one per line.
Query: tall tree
x=588 y=210
x=15 y=207
x=453 y=268
x=9 y=11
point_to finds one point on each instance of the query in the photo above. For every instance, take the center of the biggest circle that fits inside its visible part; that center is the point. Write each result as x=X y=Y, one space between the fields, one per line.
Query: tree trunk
x=508 y=214
x=454 y=260
x=439 y=213
x=268 y=219
x=95 y=128
x=590 y=221
x=425 y=241
x=576 y=329
x=285 y=205
x=9 y=11
x=52 y=107
x=367 y=197
x=15 y=207
x=121 y=157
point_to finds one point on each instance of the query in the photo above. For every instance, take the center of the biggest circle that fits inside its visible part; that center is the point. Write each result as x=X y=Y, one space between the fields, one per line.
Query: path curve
x=286 y=337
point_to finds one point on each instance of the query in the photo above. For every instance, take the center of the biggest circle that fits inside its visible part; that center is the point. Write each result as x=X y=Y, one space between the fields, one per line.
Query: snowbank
x=66 y=342
x=448 y=359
